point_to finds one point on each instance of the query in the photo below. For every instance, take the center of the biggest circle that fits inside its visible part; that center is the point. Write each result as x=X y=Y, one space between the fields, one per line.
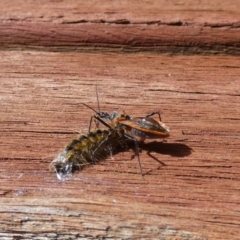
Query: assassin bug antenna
x=97 y=123
x=97 y=99
x=101 y=114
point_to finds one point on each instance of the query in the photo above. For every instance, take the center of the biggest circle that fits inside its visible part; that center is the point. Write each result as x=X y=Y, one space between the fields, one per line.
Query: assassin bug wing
x=146 y=127
x=152 y=125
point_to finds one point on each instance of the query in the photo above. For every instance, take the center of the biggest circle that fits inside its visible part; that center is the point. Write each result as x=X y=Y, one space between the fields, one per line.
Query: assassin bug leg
x=153 y=113
x=136 y=150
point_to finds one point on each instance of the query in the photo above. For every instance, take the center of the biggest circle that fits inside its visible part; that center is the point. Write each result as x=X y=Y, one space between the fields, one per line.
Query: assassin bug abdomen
x=88 y=149
x=145 y=127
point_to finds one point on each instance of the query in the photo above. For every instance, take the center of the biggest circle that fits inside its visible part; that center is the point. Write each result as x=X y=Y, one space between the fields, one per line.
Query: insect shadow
x=172 y=149
x=161 y=148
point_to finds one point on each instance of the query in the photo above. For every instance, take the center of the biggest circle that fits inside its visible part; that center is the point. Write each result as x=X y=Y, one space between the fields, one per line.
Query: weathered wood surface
x=194 y=194
x=160 y=26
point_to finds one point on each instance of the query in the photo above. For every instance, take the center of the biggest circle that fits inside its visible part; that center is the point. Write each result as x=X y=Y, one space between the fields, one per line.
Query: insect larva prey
x=88 y=149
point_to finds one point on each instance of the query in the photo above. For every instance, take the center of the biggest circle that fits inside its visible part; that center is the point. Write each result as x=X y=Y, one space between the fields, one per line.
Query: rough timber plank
x=161 y=26
x=193 y=195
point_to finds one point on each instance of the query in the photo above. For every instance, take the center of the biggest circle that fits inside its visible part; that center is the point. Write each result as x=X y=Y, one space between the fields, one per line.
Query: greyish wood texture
x=193 y=192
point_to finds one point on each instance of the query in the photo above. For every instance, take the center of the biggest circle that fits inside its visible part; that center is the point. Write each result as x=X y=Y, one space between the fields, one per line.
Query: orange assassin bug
x=141 y=127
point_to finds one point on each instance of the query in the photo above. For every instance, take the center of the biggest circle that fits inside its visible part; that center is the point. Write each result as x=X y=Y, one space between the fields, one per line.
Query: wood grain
x=194 y=194
x=53 y=53
x=179 y=27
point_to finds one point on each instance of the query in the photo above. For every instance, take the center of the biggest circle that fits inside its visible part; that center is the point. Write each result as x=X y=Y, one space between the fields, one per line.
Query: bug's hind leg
x=136 y=151
x=154 y=113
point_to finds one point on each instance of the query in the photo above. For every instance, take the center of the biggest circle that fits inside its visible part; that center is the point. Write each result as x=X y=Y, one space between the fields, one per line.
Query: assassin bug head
x=98 y=118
